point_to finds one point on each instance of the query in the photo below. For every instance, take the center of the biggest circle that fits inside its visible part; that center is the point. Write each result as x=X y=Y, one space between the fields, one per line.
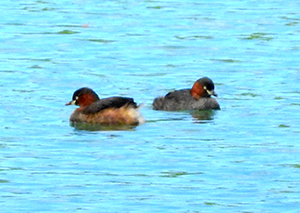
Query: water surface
x=243 y=158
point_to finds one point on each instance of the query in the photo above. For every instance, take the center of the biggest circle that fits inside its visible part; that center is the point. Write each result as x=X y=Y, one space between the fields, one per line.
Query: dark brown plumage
x=197 y=98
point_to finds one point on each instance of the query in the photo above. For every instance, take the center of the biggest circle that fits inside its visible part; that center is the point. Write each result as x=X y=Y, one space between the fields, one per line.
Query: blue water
x=243 y=158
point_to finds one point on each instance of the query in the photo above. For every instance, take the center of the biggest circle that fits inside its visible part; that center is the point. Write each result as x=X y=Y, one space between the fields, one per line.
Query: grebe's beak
x=70 y=103
x=212 y=92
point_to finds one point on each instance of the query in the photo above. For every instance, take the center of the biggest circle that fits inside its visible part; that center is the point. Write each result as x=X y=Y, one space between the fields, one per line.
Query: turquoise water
x=243 y=158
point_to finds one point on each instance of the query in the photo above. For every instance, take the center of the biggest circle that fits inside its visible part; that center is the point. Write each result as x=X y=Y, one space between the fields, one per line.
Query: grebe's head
x=83 y=97
x=203 y=87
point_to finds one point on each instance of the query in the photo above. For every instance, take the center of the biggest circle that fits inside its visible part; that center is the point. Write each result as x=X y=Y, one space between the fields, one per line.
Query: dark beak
x=70 y=103
x=212 y=92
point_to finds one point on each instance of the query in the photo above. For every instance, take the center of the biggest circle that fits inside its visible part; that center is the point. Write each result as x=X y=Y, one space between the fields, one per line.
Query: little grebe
x=197 y=98
x=113 y=110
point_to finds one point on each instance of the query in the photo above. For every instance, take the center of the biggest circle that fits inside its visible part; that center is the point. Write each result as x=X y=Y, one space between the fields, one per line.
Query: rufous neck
x=197 y=90
x=85 y=100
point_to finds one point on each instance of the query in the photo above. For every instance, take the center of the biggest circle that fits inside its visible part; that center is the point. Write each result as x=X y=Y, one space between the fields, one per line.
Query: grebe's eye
x=75 y=100
x=204 y=88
